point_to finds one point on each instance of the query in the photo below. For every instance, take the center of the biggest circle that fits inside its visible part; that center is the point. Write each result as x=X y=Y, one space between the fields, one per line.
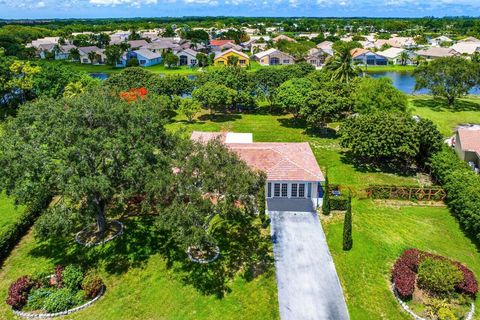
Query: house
x=221 y=58
x=100 y=57
x=438 y=41
x=317 y=57
x=467 y=145
x=326 y=46
x=470 y=39
x=436 y=52
x=222 y=46
x=187 y=57
x=367 y=57
x=162 y=45
x=145 y=58
x=273 y=57
x=60 y=52
x=291 y=168
x=467 y=48
x=367 y=44
x=137 y=44
x=394 y=55
x=45 y=40
x=283 y=37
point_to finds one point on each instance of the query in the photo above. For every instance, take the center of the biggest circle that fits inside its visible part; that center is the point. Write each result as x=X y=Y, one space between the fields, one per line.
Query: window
x=193 y=62
x=294 y=192
x=276 y=190
x=286 y=61
x=221 y=62
x=309 y=190
x=285 y=190
x=242 y=61
x=85 y=60
x=301 y=190
x=142 y=62
x=274 y=61
x=269 y=190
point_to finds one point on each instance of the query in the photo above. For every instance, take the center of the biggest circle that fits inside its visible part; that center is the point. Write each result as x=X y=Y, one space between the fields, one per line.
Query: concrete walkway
x=308 y=285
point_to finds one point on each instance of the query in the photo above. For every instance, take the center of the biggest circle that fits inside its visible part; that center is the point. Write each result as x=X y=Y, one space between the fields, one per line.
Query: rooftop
x=470 y=138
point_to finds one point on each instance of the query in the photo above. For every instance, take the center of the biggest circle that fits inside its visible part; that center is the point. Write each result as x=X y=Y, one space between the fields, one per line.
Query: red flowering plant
x=134 y=94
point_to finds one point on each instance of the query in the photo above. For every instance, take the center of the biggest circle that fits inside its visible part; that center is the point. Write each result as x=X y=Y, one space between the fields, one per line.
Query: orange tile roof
x=218 y=43
x=358 y=51
x=279 y=160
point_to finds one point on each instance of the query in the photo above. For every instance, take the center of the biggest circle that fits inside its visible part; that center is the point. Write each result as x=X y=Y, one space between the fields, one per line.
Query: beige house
x=467 y=145
x=273 y=57
x=437 y=52
x=100 y=57
x=317 y=57
x=283 y=37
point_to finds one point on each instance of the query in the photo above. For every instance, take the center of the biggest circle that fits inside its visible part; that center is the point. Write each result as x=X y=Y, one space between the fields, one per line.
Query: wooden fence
x=407 y=193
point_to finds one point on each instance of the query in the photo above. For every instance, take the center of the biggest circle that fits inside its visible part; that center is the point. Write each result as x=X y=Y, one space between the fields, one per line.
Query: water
x=404 y=81
x=101 y=76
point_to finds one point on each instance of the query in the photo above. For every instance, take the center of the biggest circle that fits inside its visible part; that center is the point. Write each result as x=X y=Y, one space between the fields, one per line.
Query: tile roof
x=280 y=161
x=220 y=42
x=470 y=138
x=437 y=52
x=221 y=54
x=148 y=54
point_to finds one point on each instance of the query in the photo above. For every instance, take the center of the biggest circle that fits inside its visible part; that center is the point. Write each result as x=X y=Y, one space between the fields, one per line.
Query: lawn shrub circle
x=118 y=225
x=436 y=277
x=193 y=258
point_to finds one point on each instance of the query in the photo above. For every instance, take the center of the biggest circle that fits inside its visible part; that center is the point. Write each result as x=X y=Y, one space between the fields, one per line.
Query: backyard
x=142 y=283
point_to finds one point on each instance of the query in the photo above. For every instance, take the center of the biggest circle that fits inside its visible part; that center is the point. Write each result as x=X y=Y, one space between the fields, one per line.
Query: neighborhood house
x=467 y=145
x=291 y=168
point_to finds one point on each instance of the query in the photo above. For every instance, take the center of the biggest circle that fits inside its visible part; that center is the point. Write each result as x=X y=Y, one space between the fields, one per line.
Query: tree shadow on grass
x=220 y=117
x=294 y=123
x=379 y=166
x=326 y=133
x=439 y=105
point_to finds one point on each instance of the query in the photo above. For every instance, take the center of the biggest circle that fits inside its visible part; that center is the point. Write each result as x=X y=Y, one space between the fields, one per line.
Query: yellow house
x=221 y=58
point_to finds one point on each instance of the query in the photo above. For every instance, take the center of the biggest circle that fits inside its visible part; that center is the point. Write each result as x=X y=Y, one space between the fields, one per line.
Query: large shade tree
x=94 y=151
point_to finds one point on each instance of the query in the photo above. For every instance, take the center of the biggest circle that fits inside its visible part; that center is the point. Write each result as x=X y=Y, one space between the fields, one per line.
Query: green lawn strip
x=149 y=291
x=9 y=213
x=388 y=68
x=467 y=110
x=380 y=234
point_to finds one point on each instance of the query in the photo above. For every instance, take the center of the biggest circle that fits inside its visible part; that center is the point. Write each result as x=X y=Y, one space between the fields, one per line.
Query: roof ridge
x=294 y=163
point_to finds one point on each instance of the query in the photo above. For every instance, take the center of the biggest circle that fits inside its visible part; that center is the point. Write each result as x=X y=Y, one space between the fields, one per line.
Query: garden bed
x=66 y=291
x=430 y=286
x=90 y=237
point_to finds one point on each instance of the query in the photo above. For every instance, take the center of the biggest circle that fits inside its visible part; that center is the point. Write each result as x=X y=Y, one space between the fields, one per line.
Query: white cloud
x=203 y=2
x=134 y=3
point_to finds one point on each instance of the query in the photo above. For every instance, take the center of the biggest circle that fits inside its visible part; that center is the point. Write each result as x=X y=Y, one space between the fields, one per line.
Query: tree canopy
x=372 y=95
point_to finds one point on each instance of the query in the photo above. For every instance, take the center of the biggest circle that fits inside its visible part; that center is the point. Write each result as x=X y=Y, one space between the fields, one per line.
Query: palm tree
x=74 y=54
x=92 y=56
x=404 y=58
x=342 y=66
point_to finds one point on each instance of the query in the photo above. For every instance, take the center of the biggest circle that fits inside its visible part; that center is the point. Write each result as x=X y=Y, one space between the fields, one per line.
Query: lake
x=404 y=81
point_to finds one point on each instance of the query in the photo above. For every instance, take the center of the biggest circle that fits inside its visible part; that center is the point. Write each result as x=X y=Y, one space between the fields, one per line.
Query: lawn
x=9 y=213
x=388 y=68
x=466 y=110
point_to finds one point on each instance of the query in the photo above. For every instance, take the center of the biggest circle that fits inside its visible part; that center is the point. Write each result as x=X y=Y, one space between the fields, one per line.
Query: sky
x=22 y=9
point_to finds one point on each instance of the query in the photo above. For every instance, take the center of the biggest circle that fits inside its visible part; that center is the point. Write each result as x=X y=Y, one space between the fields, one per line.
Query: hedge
x=462 y=186
x=10 y=238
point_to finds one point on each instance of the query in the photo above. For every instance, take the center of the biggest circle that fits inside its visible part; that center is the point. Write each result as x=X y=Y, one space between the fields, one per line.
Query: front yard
x=9 y=213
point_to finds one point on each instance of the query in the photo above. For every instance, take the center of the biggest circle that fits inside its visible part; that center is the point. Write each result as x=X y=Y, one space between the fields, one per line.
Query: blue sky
x=158 y=8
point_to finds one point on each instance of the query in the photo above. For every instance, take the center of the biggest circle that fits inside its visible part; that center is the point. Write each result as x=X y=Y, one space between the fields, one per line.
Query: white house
x=438 y=41
x=291 y=168
x=100 y=57
x=468 y=48
x=187 y=57
x=394 y=55
x=467 y=145
x=367 y=57
x=273 y=57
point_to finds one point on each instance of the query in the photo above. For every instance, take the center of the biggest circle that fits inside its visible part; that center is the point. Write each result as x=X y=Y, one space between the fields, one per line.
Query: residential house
x=394 y=55
x=436 y=52
x=292 y=171
x=470 y=39
x=187 y=57
x=222 y=45
x=367 y=57
x=221 y=58
x=162 y=45
x=326 y=46
x=59 y=52
x=283 y=37
x=137 y=44
x=439 y=41
x=145 y=58
x=273 y=57
x=317 y=57
x=100 y=57
x=467 y=48
x=43 y=41
x=367 y=44
x=467 y=145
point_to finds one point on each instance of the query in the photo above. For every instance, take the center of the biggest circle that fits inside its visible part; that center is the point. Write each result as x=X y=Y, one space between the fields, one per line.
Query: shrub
x=404 y=273
x=92 y=284
x=438 y=276
x=326 y=198
x=58 y=278
x=469 y=284
x=36 y=298
x=72 y=277
x=60 y=300
x=347 y=227
x=18 y=292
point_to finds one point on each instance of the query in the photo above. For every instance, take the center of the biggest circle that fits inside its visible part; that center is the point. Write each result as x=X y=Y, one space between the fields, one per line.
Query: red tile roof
x=280 y=161
x=218 y=43
x=470 y=139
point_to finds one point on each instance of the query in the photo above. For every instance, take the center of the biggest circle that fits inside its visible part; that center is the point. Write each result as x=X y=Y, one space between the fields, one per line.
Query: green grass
x=390 y=68
x=9 y=213
x=89 y=68
x=466 y=110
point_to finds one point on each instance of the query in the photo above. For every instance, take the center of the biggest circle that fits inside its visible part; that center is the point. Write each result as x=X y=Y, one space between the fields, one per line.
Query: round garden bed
x=431 y=287
x=66 y=291
x=204 y=254
x=90 y=237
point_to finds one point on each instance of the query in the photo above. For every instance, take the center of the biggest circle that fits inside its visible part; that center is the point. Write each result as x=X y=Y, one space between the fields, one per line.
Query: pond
x=404 y=81
x=101 y=76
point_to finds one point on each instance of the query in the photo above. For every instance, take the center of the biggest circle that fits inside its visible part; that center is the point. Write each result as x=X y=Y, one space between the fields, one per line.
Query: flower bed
x=430 y=286
x=89 y=238
x=66 y=291
x=204 y=254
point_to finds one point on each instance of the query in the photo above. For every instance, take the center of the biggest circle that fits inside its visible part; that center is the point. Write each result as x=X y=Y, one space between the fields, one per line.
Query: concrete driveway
x=308 y=285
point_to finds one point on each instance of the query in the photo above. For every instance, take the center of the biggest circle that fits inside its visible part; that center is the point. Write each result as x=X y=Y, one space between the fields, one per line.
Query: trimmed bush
x=438 y=276
x=18 y=292
x=60 y=300
x=72 y=277
x=404 y=273
x=92 y=284
x=347 y=227
x=37 y=298
x=469 y=284
x=326 y=198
